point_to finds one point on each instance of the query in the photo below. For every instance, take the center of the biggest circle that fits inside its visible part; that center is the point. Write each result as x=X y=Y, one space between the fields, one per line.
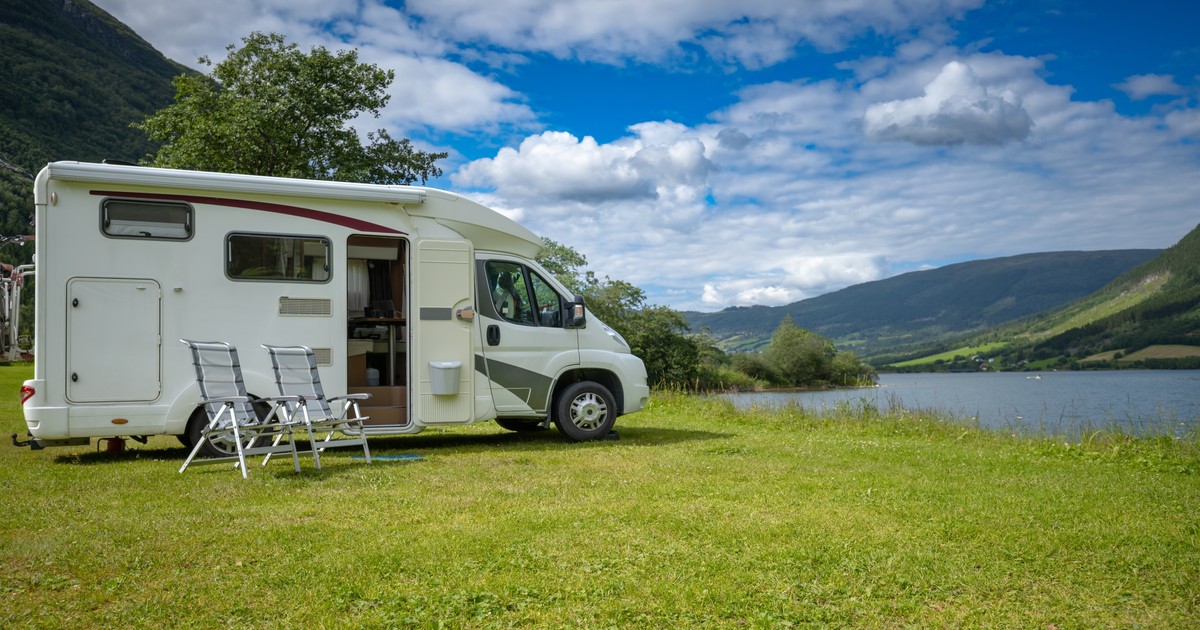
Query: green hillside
x=919 y=309
x=1147 y=317
x=1155 y=304
x=72 y=80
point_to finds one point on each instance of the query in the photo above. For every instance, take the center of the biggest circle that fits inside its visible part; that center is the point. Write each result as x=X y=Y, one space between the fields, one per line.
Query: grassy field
x=966 y=351
x=1150 y=352
x=699 y=516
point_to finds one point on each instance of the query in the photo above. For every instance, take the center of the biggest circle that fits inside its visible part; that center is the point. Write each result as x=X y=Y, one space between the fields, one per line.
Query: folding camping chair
x=232 y=421
x=305 y=404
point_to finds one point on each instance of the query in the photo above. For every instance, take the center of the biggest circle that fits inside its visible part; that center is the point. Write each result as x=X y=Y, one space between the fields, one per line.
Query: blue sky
x=720 y=153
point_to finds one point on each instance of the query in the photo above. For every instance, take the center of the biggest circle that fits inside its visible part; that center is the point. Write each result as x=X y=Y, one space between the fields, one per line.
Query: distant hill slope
x=923 y=307
x=1156 y=303
x=72 y=80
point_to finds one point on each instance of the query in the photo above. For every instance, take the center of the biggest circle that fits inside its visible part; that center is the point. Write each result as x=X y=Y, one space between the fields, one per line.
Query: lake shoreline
x=1065 y=402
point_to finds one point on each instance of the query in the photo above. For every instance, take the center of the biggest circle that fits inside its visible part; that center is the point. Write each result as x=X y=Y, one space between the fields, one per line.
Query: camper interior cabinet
x=376 y=318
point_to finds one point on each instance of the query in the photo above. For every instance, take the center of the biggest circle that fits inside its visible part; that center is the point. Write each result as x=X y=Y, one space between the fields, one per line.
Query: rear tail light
x=27 y=392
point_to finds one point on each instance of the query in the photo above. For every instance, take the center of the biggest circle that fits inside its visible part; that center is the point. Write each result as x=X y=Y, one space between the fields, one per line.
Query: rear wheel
x=222 y=446
x=585 y=411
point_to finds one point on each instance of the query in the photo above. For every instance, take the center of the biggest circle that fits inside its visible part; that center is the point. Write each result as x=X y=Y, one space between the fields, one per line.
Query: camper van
x=428 y=301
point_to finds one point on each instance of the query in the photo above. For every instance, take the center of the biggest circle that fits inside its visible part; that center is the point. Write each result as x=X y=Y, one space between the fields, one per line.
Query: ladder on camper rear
x=11 y=281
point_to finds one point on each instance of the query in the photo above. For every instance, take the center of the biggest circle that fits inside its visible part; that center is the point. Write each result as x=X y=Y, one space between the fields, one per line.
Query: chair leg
x=362 y=433
x=196 y=448
x=237 y=442
x=313 y=443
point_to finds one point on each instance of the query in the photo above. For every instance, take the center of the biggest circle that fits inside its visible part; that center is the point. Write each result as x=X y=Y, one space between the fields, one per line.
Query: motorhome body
x=423 y=298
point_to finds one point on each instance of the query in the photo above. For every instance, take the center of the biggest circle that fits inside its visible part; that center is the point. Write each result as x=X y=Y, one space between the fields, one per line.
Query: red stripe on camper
x=278 y=208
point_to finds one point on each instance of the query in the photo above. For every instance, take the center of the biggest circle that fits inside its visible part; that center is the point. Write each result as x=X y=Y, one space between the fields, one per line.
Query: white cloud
x=1185 y=122
x=1144 y=86
x=956 y=108
x=429 y=91
x=559 y=165
x=789 y=191
x=659 y=165
x=805 y=203
x=752 y=33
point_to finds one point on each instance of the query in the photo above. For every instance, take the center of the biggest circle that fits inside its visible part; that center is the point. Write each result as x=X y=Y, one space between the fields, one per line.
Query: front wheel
x=585 y=411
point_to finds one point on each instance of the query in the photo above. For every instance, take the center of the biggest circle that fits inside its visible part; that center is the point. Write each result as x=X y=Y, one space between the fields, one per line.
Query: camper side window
x=512 y=285
x=277 y=258
x=124 y=218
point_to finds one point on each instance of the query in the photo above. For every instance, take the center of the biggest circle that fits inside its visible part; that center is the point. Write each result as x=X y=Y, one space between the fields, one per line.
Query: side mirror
x=576 y=314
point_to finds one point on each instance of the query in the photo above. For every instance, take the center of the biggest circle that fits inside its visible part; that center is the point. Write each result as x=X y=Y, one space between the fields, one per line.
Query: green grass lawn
x=699 y=516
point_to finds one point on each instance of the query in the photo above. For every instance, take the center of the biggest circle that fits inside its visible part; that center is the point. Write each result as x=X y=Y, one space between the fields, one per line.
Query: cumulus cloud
x=800 y=203
x=955 y=109
x=658 y=163
x=430 y=91
x=1144 y=86
x=750 y=33
x=797 y=278
x=436 y=93
x=787 y=192
x=1185 y=122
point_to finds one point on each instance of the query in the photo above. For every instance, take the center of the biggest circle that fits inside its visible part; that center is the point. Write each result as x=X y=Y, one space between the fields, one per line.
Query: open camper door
x=441 y=337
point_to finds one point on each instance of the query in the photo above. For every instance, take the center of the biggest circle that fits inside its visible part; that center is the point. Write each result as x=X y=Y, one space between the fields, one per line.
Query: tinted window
x=549 y=302
x=146 y=219
x=280 y=258
x=521 y=296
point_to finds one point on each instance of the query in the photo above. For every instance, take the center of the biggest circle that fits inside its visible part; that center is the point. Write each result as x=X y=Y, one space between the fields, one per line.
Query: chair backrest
x=296 y=374
x=219 y=375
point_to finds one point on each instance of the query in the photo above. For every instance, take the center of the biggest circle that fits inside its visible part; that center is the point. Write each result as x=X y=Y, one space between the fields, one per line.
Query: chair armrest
x=225 y=399
x=282 y=399
x=359 y=396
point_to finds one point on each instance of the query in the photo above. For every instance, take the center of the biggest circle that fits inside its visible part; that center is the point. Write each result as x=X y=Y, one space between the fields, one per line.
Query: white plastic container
x=443 y=377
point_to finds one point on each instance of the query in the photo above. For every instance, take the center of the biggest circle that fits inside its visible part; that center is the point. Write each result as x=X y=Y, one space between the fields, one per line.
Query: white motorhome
x=428 y=301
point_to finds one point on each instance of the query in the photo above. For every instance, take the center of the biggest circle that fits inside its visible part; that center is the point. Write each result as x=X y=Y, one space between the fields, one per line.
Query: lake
x=1137 y=401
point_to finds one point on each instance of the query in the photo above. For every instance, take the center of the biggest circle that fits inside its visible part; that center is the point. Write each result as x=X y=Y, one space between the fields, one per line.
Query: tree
x=754 y=365
x=271 y=109
x=848 y=370
x=656 y=334
x=564 y=262
x=800 y=357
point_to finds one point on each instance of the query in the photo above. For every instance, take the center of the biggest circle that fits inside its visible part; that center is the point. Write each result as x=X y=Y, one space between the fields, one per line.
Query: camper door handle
x=74 y=377
x=493 y=335
x=75 y=302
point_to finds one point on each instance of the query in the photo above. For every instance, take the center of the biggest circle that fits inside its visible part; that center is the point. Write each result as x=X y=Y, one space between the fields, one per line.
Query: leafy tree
x=800 y=357
x=754 y=365
x=656 y=334
x=271 y=109
x=564 y=262
x=659 y=336
x=847 y=369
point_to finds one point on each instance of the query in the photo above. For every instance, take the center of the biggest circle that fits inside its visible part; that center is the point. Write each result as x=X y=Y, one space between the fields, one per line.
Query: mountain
x=72 y=81
x=921 y=308
x=1150 y=314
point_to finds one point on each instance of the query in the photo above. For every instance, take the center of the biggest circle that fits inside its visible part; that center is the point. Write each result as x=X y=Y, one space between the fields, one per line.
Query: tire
x=585 y=411
x=521 y=425
x=220 y=448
